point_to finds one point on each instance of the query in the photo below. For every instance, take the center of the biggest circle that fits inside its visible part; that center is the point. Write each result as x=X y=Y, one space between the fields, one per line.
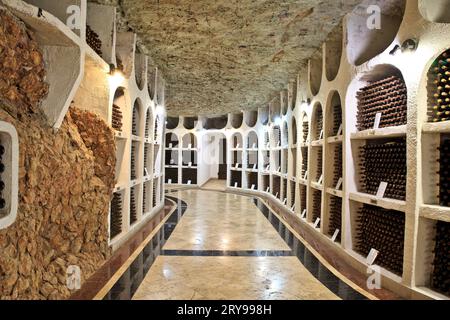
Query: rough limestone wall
x=65 y=181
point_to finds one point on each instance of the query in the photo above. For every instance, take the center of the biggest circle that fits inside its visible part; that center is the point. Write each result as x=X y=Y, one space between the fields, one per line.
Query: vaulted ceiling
x=226 y=55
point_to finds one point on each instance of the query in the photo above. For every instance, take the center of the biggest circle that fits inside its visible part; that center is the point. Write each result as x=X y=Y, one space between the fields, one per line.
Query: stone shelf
x=335 y=139
x=390 y=132
x=438 y=127
x=334 y=192
x=434 y=212
x=317 y=143
x=316 y=185
x=385 y=203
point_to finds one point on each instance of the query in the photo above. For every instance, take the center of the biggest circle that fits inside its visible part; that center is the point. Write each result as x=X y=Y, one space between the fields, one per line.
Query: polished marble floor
x=244 y=256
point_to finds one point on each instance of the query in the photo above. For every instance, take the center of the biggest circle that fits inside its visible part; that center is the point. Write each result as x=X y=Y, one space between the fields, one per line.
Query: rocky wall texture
x=65 y=181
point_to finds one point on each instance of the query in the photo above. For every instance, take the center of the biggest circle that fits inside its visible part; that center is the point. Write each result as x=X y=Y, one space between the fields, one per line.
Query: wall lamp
x=116 y=76
x=409 y=45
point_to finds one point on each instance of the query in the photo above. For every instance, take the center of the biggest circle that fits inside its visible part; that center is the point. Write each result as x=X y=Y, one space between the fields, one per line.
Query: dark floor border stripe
x=222 y=253
x=307 y=258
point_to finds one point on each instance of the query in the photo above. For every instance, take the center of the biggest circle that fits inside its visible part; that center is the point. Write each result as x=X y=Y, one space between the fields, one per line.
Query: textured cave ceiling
x=228 y=55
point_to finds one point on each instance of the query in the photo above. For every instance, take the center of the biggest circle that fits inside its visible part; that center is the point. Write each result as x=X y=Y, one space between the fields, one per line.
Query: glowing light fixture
x=116 y=76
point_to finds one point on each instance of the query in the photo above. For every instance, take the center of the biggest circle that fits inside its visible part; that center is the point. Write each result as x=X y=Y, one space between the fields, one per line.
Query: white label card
x=237 y=146
x=293 y=208
x=339 y=184
x=279 y=169
x=254 y=167
x=170 y=145
x=190 y=164
x=340 y=130
x=235 y=184
x=268 y=168
x=172 y=161
x=279 y=144
x=372 y=256
x=253 y=187
x=254 y=146
x=376 y=124
x=146 y=171
x=304 y=214
x=335 y=234
x=276 y=195
x=170 y=181
x=268 y=189
x=189 y=146
x=321 y=135
x=320 y=180
x=316 y=223
x=382 y=189
x=284 y=201
x=189 y=182
x=306 y=176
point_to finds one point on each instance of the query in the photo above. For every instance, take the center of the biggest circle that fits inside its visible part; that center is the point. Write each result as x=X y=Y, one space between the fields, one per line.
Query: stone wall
x=65 y=180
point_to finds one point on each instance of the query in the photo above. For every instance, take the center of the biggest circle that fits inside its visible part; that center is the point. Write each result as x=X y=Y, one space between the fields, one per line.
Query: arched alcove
x=293 y=94
x=305 y=127
x=139 y=68
x=236 y=141
x=172 y=140
x=160 y=89
x=333 y=52
x=237 y=120
x=263 y=115
x=251 y=118
x=157 y=128
x=284 y=97
x=136 y=118
x=189 y=140
x=285 y=134
x=172 y=122
x=190 y=122
x=215 y=123
x=365 y=43
x=252 y=140
x=435 y=10
x=151 y=80
x=315 y=72
x=293 y=132
x=275 y=109
x=148 y=122
x=317 y=122
x=334 y=115
x=118 y=107
x=437 y=94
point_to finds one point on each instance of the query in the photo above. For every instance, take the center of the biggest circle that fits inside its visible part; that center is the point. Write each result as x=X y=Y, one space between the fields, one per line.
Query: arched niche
x=236 y=141
x=148 y=123
x=365 y=43
x=305 y=127
x=333 y=52
x=285 y=134
x=172 y=140
x=189 y=139
x=172 y=122
x=263 y=115
x=118 y=108
x=215 y=123
x=237 y=120
x=316 y=122
x=251 y=118
x=275 y=108
x=158 y=129
x=292 y=94
x=136 y=117
x=293 y=132
x=252 y=140
x=160 y=89
x=435 y=10
x=284 y=97
x=334 y=114
x=190 y=122
x=315 y=72
x=139 y=68
x=276 y=136
x=151 y=80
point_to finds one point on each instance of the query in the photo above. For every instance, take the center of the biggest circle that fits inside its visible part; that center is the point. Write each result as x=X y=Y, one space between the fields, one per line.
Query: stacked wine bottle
x=155 y=185
x=440 y=278
x=305 y=131
x=135 y=121
x=2 y=170
x=388 y=97
x=317 y=205
x=292 y=185
x=116 y=215
x=146 y=158
x=337 y=173
x=304 y=161
x=335 y=216
x=133 y=210
x=133 y=175
x=285 y=183
x=117 y=118
x=252 y=179
x=144 y=198
x=319 y=128
x=439 y=89
x=302 y=198
x=384 y=162
x=266 y=182
x=276 y=186
x=383 y=230
x=319 y=162
x=337 y=119
x=444 y=173
x=93 y=40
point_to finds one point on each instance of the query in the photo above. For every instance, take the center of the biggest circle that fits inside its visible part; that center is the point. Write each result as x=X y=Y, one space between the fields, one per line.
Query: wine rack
x=335 y=212
x=135 y=120
x=252 y=179
x=284 y=164
x=266 y=159
x=116 y=214
x=337 y=158
x=276 y=136
x=384 y=162
x=265 y=182
x=236 y=179
x=304 y=161
x=276 y=186
x=318 y=124
x=337 y=119
x=134 y=156
x=294 y=161
x=383 y=230
x=117 y=118
x=303 y=196
x=317 y=205
x=444 y=172
x=157 y=129
x=440 y=277
x=172 y=175
x=148 y=124
x=439 y=88
x=276 y=160
x=318 y=160
x=133 y=207
x=388 y=97
x=93 y=40
x=145 y=197
x=171 y=158
x=292 y=193
x=189 y=174
x=252 y=159
x=305 y=131
x=155 y=193
x=284 y=183
x=237 y=159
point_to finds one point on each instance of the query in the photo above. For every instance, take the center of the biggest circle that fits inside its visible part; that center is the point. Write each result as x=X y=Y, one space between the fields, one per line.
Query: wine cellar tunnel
x=147 y=147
